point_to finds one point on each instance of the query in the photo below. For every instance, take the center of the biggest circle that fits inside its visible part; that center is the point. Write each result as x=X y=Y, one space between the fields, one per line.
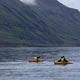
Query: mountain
x=48 y=23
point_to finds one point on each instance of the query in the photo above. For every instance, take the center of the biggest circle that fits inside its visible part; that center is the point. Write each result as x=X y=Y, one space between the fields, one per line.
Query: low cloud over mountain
x=29 y=2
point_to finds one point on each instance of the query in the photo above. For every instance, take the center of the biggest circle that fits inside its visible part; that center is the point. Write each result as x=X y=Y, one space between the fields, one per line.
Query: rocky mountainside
x=49 y=23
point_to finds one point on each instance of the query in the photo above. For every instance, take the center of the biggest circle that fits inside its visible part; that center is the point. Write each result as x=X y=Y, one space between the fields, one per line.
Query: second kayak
x=62 y=63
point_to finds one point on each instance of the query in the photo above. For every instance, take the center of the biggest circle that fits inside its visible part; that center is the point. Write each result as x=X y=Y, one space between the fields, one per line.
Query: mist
x=29 y=2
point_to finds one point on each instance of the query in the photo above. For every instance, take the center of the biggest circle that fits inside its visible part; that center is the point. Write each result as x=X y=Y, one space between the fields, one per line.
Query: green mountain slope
x=49 y=23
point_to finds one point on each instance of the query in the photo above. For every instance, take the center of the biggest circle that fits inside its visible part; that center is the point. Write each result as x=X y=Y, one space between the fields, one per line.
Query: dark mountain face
x=49 y=23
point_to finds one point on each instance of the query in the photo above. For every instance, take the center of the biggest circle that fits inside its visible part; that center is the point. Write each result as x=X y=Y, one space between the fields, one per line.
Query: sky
x=71 y=3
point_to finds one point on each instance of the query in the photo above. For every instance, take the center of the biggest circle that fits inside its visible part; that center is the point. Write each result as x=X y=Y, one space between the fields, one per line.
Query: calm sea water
x=14 y=63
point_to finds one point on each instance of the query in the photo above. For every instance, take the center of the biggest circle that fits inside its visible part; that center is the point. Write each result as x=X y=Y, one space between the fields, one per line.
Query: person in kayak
x=37 y=58
x=62 y=59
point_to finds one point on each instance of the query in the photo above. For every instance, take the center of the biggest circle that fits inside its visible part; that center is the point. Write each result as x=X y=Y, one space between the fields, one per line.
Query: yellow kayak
x=62 y=63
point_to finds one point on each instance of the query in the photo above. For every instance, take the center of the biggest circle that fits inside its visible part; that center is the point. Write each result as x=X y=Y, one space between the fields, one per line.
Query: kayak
x=62 y=63
x=36 y=60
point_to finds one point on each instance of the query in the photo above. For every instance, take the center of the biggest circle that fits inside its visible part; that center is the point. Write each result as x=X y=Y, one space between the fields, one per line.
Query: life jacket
x=35 y=58
x=62 y=59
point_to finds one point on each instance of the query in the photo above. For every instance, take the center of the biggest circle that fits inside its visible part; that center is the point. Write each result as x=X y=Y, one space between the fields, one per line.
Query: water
x=14 y=64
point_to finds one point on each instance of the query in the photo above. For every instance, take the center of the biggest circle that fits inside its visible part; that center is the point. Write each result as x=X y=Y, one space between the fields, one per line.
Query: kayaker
x=36 y=57
x=62 y=59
